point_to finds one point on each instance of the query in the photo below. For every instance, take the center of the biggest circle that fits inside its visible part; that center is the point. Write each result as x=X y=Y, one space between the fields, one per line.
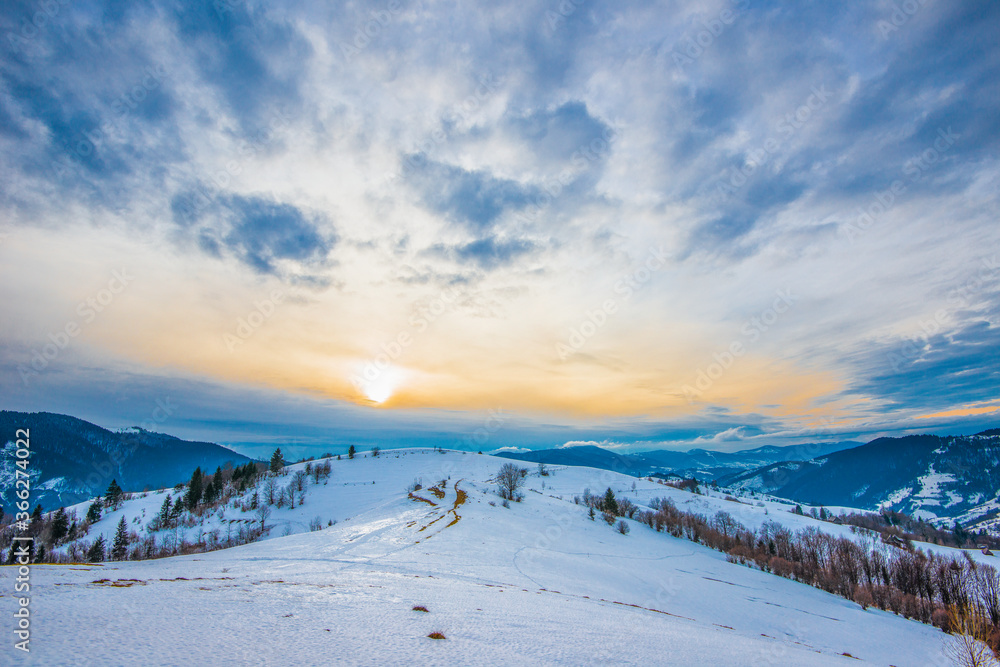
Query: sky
x=526 y=224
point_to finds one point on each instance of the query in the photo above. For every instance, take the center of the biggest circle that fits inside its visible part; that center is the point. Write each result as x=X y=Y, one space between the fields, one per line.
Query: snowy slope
x=537 y=583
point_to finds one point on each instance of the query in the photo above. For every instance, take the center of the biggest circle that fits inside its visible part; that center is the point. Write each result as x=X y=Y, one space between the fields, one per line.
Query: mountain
x=73 y=460
x=701 y=463
x=928 y=476
x=534 y=583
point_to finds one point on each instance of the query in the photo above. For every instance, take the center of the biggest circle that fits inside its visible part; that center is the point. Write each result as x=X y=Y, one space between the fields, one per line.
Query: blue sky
x=679 y=224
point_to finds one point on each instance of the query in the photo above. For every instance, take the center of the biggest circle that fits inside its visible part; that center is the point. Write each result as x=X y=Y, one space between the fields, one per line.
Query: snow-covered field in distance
x=538 y=583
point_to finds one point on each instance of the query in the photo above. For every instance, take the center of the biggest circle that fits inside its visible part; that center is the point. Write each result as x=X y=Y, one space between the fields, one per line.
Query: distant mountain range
x=937 y=478
x=701 y=463
x=73 y=460
x=928 y=476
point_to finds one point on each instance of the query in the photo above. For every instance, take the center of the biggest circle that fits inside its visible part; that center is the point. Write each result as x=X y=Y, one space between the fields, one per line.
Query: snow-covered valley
x=535 y=583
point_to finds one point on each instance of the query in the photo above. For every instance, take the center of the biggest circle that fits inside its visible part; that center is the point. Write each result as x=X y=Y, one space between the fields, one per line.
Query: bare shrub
x=509 y=480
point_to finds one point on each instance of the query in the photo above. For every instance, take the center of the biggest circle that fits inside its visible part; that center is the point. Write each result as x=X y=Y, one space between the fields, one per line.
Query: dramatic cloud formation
x=713 y=223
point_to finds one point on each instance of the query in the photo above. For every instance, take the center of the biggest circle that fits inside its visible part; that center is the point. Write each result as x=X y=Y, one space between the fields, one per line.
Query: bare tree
x=271 y=490
x=509 y=479
x=966 y=647
x=301 y=479
x=263 y=512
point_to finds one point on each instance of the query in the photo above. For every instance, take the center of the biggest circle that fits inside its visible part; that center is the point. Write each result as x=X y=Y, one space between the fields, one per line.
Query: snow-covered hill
x=535 y=583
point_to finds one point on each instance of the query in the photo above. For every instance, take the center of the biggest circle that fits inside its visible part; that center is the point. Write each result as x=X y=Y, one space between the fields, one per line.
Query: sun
x=379 y=391
x=378 y=387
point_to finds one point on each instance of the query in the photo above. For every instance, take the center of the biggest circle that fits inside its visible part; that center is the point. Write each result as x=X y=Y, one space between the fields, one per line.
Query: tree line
x=958 y=595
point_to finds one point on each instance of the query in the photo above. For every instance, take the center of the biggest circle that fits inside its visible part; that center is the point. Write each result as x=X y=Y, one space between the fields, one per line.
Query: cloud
x=512 y=450
x=473 y=199
x=261 y=233
x=933 y=372
x=560 y=133
x=250 y=55
x=603 y=444
x=487 y=253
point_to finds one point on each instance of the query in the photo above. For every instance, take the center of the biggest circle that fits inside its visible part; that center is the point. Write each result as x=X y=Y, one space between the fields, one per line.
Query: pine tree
x=176 y=511
x=211 y=492
x=113 y=496
x=351 y=451
x=95 y=554
x=163 y=516
x=120 y=548
x=277 y=461
x=60 y=526
x=195 y=490
x=40 y=556
x=609 y=504
x=36 y=516
x=960 y=534
x=94 y=511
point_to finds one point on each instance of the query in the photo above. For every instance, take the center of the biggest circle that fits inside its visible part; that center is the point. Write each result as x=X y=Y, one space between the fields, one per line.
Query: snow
x=537 y=583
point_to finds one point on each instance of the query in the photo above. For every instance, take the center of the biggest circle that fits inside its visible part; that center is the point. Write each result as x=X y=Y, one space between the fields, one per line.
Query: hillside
x=927 y=476
x=535 y=583
x=73 y=459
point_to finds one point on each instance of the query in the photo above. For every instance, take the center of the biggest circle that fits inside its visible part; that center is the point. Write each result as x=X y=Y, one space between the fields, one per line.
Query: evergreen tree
x=94 y=511
x=60 y=526
x=40 y=556
x=960 y=534
x=210 y=491
x=36 y=516
x=120 y=547
x=113 y=496
x=95 y=554
x=195 y=490
x=163 y=516
x=351 y=452
x=277 y=461
x=798 y=510
x=609 y=504
x=176 y=511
